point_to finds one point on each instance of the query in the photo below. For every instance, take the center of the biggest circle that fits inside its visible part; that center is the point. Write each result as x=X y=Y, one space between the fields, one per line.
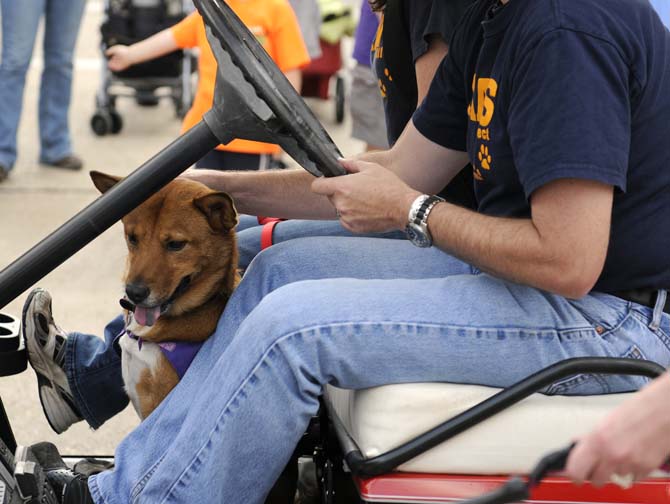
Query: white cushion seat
x=511 y=442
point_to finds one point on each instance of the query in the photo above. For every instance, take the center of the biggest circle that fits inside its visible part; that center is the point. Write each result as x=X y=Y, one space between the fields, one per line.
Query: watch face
x=418 y=236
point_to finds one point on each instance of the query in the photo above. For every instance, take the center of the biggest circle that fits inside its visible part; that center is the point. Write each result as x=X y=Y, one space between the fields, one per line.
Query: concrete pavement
x=36 y=200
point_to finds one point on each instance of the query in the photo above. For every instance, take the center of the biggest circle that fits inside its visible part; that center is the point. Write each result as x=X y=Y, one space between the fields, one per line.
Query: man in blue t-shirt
x=561 y=107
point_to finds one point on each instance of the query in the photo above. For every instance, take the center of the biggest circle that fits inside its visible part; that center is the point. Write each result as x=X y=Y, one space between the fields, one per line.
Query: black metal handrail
x=104 y=212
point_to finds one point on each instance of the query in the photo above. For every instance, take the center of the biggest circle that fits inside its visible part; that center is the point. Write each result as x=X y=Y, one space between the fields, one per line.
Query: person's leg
x=79 y=375
x=235 y=417
x=93 y=368
x=245 y=222
x=62 y=21
x=20 y=21
x=368 y=122
x=249 y=237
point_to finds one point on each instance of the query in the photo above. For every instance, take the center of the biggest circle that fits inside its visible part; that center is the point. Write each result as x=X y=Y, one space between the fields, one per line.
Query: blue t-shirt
x=539 y=90
x=365 y=34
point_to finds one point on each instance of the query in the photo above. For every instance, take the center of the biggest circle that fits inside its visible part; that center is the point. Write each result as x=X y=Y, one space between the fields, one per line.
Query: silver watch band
x=429 y=208
x=414 y=208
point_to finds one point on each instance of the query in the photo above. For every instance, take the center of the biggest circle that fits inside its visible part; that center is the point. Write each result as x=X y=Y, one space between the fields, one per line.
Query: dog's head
x=182 y=249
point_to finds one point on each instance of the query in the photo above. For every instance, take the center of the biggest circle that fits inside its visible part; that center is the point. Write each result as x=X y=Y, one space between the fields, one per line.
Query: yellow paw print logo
x=382 y=88
x=484 y=157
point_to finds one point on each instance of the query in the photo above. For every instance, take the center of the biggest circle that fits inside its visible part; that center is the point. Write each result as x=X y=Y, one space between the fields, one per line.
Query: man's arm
x=287 y=193
x=121 y=56
x=560 y=249
x=426 y=65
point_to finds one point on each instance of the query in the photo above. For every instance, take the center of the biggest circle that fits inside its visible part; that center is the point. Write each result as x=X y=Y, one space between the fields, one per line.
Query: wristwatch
x=417 y=225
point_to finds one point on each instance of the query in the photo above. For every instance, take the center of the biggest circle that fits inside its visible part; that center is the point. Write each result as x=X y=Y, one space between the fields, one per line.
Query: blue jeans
x=355 y=313
x=93 y=365
x=20 y=20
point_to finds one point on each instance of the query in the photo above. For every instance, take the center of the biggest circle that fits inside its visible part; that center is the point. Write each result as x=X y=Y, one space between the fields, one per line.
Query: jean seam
x=139 y=486
x=314 y=330
x=659 y=332
x=96 y=494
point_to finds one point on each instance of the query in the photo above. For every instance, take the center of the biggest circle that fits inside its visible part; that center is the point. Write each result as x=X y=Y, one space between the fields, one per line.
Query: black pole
x=104 y=212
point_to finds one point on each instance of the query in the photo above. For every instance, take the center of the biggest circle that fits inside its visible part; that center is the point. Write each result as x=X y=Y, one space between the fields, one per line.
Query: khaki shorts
x=367 y=108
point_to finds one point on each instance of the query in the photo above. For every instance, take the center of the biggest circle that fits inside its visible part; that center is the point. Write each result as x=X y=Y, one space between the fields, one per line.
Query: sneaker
x=69 y=162
x=30 y=478
x=4 y=172
x=46 y=345
x=69 y=486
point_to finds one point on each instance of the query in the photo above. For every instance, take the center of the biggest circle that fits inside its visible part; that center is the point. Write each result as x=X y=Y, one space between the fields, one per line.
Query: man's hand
x=369 y=199
x=119 y=58
x=633 y=440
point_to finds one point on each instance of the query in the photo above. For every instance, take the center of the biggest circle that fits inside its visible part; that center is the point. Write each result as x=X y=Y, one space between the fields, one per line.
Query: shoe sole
x=51 y=399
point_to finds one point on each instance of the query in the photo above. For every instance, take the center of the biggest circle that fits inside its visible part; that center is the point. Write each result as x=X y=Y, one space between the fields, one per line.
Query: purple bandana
x=179 y=353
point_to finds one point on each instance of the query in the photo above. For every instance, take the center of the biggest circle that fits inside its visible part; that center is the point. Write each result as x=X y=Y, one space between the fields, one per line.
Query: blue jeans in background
x=93 y=365
x=355 y=313
x=20 y=21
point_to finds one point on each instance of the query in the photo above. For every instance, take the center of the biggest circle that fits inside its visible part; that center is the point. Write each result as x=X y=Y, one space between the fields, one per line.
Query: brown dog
x=180 y=271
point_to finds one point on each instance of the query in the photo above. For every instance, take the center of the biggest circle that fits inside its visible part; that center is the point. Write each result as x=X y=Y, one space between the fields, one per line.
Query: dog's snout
x=137 y=292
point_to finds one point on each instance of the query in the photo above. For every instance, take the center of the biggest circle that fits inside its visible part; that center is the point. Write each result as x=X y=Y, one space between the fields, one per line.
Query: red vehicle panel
x=440 y=488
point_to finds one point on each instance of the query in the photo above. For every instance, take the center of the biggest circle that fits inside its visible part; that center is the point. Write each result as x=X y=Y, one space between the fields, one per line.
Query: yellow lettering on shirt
x=486 y=91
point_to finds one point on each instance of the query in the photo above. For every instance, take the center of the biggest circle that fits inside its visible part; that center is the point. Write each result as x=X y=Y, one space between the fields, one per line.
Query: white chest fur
x=133 y=363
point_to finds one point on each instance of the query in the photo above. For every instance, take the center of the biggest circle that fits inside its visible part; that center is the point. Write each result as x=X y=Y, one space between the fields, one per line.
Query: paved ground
x=36 y=200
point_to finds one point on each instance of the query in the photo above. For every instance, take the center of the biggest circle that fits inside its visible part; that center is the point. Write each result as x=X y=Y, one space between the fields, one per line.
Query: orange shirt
x=275 y=26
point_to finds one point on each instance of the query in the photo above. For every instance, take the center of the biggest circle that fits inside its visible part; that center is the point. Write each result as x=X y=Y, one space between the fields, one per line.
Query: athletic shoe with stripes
x=46 y=345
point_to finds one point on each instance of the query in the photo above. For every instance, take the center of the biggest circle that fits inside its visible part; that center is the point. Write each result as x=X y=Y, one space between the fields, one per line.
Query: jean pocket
x=603 y=312
x=587 y=383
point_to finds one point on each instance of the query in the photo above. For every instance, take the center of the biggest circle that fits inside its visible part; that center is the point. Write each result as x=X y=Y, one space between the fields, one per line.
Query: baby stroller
x=337 y=21
x=127 y=22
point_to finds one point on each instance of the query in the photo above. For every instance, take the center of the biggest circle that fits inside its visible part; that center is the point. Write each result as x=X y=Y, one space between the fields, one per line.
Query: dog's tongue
x=147 y=316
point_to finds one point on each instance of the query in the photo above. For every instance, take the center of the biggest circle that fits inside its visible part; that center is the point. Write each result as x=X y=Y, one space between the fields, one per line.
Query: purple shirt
x=180 y=354
x=365 y=34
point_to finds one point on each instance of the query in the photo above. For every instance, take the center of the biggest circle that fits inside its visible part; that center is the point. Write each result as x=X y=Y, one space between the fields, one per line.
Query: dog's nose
x=137 y=292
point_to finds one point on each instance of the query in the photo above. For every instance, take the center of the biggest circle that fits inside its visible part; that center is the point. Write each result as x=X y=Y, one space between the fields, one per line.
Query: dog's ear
x=103 y=181
x=219 y=209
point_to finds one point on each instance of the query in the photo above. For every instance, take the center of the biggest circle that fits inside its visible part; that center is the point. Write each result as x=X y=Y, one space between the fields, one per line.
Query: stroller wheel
x=339 y=100
x=117 y=122
x=101 y=123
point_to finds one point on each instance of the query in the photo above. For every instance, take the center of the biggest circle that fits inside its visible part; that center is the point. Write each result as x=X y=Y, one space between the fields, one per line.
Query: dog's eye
x=175 y=246
x=132 y=239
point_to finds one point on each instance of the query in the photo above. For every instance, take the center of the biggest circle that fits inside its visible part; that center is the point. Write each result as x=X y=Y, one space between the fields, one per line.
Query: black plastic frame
x=105 y=211
x=271 y=105
x=387 y=462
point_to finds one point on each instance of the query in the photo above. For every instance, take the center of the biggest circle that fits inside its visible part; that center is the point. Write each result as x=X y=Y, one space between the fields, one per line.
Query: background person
x=276 y=28
x=619 y=446
x=20 y=22
x=309 y=18
x=366 y=105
